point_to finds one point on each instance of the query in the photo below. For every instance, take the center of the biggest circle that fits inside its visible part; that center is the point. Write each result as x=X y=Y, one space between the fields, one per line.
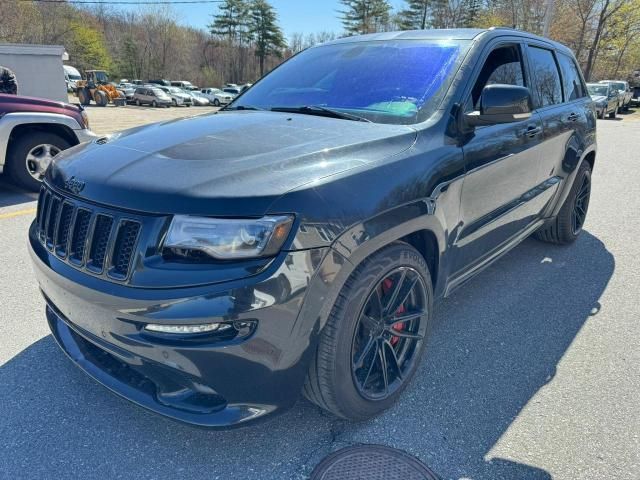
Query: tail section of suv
x=295 y=241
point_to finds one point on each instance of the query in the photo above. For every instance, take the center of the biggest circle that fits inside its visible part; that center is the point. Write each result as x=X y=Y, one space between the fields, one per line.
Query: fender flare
x=10 y=121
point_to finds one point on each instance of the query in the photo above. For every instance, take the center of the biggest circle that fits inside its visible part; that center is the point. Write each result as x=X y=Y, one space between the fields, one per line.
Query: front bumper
x=202 y=380
x=85 y=135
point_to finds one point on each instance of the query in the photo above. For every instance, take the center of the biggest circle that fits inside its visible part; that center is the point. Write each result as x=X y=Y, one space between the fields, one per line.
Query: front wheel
x=614 y=113
x=30 y=155
x=567 y=225
x=154 y=104
x=375 y=335
x=216 y=102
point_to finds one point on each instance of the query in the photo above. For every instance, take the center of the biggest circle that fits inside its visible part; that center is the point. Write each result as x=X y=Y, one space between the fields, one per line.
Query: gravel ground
x=532 y=370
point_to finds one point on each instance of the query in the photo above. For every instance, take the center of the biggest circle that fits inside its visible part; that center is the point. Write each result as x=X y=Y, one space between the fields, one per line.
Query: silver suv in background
x=154 y=96
x=624 y=92
x=178 y=96
x=217 y=97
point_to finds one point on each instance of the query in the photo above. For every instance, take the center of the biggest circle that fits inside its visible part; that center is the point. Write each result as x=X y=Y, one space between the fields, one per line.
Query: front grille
x=90 y=238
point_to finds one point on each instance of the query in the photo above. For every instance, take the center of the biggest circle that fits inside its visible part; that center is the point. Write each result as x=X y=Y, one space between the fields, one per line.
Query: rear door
x=564 y=108
x=502 y=163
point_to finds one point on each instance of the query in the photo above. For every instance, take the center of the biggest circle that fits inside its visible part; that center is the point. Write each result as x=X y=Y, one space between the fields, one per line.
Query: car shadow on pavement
x=494 y=344
x=13 y=195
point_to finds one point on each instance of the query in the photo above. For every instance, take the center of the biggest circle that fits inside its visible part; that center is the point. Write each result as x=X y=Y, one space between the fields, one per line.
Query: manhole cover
x=371 y=462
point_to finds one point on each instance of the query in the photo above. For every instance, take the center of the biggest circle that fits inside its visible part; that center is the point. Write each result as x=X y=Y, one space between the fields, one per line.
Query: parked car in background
x=128 y=89
x=246 y=86
x=217 y=97
x=178 y=96
x=154 y=96
x=33 y=131
x=635 y=97
x=624 y=93
x=296 y=240
x=160 y=81
x=197 y=98
x=71 y=76
x=605 y=97
x=234 y=91
x=183 y=84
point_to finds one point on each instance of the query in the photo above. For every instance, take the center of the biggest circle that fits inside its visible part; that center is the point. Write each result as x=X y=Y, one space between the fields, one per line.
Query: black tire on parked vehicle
x=138 y=102
x=154 y=104
x=614 y=113
x=174 y=102
x=29 y=153
x=84 y=97
x=602 y=114
x=567 y=225
x=375 y=335
x=216 y=102
x=101 y=98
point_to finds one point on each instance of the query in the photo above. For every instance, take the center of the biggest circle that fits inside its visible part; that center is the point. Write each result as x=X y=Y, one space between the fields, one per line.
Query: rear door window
x=546 y=78
x=571 y=79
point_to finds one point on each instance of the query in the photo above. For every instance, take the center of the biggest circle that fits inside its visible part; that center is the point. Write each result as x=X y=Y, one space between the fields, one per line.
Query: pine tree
x=268 y=36
x=472 y=9
x=364 y=16
x=416 y=15
x=231 y=21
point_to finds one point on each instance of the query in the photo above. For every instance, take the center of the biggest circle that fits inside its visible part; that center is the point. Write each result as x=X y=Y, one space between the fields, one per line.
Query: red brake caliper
x=386 y=285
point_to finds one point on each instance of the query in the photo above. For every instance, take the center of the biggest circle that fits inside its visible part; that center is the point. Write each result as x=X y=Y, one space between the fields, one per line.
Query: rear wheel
x=567 y=225
x=101 y=98
x=614 y=113
x=375 y=335
x=31 y=154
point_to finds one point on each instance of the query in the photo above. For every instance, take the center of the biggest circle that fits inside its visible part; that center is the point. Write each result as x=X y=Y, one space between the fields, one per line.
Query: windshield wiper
x=243 y=107
x=320 y=110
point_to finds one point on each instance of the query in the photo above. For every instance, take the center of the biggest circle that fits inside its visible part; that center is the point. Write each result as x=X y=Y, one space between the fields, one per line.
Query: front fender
x=11 y=120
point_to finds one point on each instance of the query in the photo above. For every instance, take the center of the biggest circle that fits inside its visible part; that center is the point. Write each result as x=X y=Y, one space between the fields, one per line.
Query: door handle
x=573 y=117
x=532 y=131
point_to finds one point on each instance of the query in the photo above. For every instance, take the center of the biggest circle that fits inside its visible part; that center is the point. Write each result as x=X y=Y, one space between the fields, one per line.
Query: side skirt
x=490 y=258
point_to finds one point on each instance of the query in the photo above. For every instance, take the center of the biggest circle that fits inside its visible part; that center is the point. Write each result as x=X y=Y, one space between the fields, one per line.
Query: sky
x=306 y=16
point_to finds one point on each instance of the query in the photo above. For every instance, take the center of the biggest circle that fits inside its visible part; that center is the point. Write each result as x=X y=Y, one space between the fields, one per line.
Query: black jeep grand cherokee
x=211 y=268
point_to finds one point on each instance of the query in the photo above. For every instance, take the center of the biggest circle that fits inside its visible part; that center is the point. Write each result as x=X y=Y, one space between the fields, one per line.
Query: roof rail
x=503 y=28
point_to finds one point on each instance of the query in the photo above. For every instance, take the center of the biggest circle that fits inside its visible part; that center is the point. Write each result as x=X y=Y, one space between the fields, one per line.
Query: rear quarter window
x=571 y=79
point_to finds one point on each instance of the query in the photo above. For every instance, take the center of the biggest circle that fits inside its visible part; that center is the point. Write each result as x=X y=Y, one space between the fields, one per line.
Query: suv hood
x=226 y=164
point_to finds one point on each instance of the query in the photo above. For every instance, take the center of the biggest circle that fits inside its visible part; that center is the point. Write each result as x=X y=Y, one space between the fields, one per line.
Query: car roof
x=448 y=34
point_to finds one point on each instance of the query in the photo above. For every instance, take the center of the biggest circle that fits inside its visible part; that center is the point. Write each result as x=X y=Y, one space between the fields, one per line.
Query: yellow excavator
x=96 y=87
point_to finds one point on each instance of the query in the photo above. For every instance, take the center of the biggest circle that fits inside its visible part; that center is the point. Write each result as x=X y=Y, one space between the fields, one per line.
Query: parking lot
x=531 y=372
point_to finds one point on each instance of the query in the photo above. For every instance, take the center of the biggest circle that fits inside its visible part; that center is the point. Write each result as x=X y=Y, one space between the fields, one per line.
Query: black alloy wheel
x=581 y=205
x=390 y=328
x=373 y=340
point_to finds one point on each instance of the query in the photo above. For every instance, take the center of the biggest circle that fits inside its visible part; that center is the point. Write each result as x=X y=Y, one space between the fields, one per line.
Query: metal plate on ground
x=371 y=462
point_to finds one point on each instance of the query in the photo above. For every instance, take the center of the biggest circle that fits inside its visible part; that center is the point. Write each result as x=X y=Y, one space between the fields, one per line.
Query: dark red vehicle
x=33 y=131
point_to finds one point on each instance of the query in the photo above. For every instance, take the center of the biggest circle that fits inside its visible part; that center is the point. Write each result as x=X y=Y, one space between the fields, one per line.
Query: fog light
x=187 y=329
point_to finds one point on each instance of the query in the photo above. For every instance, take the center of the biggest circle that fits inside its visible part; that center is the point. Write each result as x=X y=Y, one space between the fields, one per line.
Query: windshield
x=597 y=90
x=386 y=82
x=102 y=77
x=174 y=90
x=159 y=92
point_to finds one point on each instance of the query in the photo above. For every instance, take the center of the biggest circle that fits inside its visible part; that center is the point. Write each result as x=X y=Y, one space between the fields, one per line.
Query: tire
x=333 y=382
x=561 y=229
x=613 y=114
x=83 y=97
x=174 y=102
x=101 y=98
x=216 y=102
x=602 y=115
x=154 y=104
x=138 y=102
x=27 y=145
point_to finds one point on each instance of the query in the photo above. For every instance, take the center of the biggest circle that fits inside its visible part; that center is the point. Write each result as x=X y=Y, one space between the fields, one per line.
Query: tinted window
x=388 y=81
x=546 y=79
x=503 y=65
x=571 y=80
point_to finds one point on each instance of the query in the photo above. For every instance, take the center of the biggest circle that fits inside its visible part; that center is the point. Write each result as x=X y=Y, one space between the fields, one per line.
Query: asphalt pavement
x=532 y=371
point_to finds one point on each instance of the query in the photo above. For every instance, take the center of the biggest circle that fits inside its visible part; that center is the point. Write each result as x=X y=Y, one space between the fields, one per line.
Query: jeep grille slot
x=90 y=238
x=99 y=243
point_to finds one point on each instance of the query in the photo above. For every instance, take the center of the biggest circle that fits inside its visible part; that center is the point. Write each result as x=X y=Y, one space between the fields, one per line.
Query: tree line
x=244 y=39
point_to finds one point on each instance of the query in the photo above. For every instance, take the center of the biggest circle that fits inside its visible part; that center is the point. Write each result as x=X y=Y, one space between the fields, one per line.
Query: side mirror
x=501 y=104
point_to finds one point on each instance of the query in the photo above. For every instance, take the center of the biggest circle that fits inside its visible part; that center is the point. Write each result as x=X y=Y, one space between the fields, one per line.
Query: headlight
x=228 y=238
x=85 y=118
